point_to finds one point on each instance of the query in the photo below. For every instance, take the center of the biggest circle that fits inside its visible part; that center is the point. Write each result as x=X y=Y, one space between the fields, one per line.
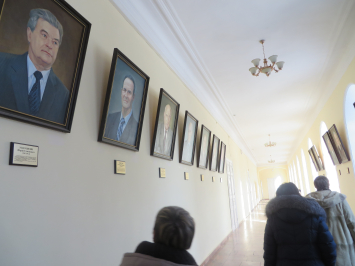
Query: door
x=232 y=197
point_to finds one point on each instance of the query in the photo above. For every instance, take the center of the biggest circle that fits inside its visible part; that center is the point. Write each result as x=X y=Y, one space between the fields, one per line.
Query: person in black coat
x=296 y=232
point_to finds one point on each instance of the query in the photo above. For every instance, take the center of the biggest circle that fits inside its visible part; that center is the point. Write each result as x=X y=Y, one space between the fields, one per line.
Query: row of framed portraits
x=123 y=113
x=335 y=148
x=40 y=86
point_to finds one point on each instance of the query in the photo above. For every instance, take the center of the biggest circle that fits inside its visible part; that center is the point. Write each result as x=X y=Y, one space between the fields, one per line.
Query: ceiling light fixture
x=266 y=69
x=271 y=160
x=270 y=144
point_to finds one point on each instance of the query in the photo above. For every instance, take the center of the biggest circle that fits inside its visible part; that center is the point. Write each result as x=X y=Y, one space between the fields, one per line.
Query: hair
x=174 y=227
x=287 y=189
x=321 y=183
x=134 y=84
x=46 y=15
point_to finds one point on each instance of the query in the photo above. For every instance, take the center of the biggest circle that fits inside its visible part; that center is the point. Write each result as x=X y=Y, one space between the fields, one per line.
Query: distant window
x=305 y=172
x=349 y=110
x=300 y=176
x=313 y=168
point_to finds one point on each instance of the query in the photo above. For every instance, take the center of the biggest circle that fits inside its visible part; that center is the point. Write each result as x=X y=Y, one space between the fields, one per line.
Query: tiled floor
x=245 y=246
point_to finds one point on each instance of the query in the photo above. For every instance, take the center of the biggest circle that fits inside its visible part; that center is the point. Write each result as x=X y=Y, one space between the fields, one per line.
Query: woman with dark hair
x=296 y=232
x=340 y=219
x=173 y=233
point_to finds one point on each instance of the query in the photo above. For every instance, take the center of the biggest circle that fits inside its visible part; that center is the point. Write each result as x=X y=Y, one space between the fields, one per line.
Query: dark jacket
x=296 y=233
x=14 y=90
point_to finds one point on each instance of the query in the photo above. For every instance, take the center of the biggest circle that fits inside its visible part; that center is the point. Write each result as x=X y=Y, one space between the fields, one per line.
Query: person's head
x=321 y=183
x=287 y=189
x=174 y=227
x=190 y=132
x=127 y=92
x=167 y=116
x=44 y=35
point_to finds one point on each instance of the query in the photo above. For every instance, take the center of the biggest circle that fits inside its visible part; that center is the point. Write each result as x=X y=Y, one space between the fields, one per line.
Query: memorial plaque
x=186 y=176
x=23 y=154
x=120 y=167
x=162 y=173
x=213 y=178
x=202 y=177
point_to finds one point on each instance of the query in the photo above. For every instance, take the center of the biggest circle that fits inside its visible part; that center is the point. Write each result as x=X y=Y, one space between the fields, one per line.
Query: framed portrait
x=188 y=142
x=126 y=95
x=165 y=127
x=222 y=158
x=338 y=145
x=214 y=154
x=42 y=50
x=204 y=150
x=313 y=158
x=330 y=148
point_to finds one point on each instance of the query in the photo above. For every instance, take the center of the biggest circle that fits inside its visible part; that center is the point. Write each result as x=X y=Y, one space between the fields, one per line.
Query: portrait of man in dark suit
x=122 y=126
x=164 y=133
x=28 y=83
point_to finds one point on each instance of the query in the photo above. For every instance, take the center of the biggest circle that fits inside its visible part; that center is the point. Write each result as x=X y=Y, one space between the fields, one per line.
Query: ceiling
x=210 y=45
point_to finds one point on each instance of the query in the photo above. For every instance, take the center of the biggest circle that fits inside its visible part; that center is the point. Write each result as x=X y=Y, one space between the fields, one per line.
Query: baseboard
x=215 y=251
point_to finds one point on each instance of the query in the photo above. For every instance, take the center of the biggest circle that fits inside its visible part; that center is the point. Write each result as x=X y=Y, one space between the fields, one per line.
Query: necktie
x=120 y=128
x=34 y=98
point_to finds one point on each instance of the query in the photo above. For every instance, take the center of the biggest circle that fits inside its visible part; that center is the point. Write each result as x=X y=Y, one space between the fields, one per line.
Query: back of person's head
x=174 y=227
x=287 y=189
x=321 y=183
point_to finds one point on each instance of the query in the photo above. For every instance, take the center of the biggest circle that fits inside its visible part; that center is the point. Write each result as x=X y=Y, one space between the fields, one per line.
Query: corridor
x=245 y=246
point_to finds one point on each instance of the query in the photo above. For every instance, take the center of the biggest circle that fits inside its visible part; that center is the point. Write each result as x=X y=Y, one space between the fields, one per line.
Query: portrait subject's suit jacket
x=159 y=140
x=14 y=89
x=129 y=133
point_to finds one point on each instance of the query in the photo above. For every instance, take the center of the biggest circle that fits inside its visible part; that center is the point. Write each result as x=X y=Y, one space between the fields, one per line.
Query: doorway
x=232 y=196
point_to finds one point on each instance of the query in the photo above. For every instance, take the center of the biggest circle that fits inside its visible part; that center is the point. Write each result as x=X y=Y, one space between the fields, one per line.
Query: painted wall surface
x=332 y=113
x=72 y=210
x=265 y=173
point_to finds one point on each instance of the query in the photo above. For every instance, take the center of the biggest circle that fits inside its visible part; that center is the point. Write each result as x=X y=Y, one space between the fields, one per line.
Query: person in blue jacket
x=296 y=232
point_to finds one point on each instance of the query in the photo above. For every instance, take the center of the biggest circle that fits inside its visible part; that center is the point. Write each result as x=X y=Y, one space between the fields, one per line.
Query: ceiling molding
x=189 y=68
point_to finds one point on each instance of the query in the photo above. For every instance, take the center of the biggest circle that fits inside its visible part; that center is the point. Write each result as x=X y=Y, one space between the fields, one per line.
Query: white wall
x=72 y=209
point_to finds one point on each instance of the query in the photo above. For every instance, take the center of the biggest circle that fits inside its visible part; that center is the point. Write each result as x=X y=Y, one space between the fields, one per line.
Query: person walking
x=296 y=232
x=340 y=220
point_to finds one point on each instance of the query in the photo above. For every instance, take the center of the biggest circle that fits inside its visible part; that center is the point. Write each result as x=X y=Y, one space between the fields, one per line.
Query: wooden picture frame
x=124 y=108
x=333 y=154
x=48 y=98
x=204 y=147
x=313 y=158
x=338 y=145
x=214 y=154
x=222 y=158
x=165 y=127
x=188 y=141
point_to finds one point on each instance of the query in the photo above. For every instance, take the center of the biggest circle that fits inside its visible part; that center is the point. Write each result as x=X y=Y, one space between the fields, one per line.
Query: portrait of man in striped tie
x=122 y=126
x=28 y=83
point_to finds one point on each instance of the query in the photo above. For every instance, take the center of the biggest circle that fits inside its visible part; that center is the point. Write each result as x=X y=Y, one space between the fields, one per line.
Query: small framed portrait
x=126 y=95
x=42 y=50
x=204 y=150
x=338 y=145
x=165 y=127
x=188 y=142
x=314 y=160
x=222 y=158
x=330 y=148
x=214 y=154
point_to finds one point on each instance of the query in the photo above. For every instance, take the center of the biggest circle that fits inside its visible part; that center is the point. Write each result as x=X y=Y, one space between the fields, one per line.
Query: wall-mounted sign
x=186 y=176
x=162 y=173
x=23 y=154
x=120 y=167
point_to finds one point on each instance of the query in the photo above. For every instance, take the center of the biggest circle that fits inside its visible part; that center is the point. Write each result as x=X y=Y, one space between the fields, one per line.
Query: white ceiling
x=209 y=44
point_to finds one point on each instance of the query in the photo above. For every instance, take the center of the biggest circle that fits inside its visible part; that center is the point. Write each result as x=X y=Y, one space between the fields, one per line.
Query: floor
x=245 y=246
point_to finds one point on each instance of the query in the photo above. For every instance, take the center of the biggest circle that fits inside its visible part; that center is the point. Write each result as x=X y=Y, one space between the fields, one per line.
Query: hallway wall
x=72 y=210
x=332 y=113
x=265 y=173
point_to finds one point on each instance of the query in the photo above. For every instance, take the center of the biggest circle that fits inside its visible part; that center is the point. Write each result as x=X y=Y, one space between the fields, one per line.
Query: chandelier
x=271 y=160
x=266 y=69
x=270 y=144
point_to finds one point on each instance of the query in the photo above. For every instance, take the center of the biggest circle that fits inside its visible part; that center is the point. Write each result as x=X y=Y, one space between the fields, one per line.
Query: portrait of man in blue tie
x=122 y=126
x=28 y=83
